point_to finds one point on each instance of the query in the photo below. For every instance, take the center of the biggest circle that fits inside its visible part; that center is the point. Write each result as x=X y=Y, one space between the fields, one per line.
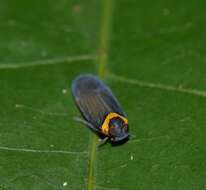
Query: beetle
x=99 y=108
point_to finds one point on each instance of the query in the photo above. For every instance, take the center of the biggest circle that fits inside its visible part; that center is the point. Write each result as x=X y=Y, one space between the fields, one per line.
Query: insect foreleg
x=102 y=141
x=83 y=121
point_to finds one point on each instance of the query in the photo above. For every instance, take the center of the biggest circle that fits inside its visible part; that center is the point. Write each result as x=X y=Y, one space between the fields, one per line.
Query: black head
x=118 y=129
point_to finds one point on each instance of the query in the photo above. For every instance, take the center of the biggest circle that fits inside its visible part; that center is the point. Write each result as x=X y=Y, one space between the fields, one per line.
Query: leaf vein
x=156 y=85
x=42 y=151
x=70 y=59
x=102 y=68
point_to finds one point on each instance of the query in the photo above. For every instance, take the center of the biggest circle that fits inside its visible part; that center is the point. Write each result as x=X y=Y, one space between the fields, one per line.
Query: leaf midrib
x=102 y=69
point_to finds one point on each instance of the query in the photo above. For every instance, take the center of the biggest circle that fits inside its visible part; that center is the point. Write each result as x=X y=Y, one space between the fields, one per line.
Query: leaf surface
x=152 y=56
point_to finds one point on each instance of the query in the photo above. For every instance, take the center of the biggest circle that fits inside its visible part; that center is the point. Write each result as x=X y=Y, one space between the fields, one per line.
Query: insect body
x=99 y=108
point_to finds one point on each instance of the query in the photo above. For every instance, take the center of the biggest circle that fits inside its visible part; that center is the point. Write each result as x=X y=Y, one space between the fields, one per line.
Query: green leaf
x=41 y=147
x=36 y=30
x=152 y=56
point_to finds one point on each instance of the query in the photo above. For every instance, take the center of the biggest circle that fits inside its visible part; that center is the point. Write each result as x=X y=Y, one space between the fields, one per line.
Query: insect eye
x=113 y=128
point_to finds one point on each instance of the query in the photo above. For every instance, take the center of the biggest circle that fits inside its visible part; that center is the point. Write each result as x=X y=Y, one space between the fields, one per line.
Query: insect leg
x=103 y=141
x=131 y=136
x=83 y=121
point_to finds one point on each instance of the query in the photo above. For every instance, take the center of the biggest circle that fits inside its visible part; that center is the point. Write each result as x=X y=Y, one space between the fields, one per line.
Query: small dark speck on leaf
x=76 y=9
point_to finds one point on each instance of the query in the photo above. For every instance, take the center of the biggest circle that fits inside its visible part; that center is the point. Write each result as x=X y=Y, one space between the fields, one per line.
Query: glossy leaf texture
x=151 y=54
